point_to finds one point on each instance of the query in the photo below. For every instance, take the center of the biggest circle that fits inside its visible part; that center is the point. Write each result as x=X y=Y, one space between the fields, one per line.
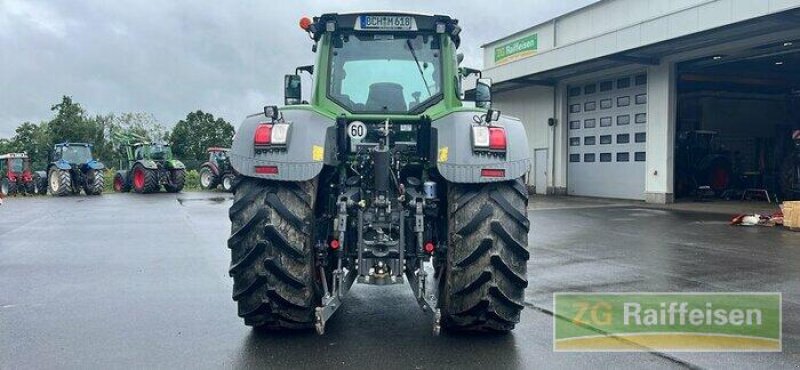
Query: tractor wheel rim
x=226 y=183
x=54 y=181
x=4 y=188
x=138 y=178
x=205 y=179
x=118 y=184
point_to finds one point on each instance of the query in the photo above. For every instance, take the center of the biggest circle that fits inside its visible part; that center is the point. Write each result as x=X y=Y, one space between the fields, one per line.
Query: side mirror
x=483 y=93
x=292 y=90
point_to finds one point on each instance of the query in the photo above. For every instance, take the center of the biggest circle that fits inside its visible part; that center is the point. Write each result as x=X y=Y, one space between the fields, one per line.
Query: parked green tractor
x=72 y=168
x=148 y=167
x=218 y=170
x=384 y=176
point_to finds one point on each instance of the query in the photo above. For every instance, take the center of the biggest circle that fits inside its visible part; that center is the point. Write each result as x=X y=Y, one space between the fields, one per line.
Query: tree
x=70 y=123
x=192 y=136
x=32 y=139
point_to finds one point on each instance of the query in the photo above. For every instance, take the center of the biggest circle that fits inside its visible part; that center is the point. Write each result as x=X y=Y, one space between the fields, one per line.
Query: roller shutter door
x=607 y=138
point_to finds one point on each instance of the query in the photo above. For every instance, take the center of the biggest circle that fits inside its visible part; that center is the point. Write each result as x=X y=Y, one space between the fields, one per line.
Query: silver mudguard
x=311 y=145
x=305 y=152
x=456 y=160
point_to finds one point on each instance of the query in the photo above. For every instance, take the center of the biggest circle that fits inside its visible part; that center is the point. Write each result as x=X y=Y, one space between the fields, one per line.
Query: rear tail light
x=263 y=134
x=497 y=138
x=280 y=133
x=271 y=134
x=489 y=138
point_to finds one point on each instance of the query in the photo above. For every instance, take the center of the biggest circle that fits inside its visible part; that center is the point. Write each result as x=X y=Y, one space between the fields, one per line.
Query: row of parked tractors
x=72 y=168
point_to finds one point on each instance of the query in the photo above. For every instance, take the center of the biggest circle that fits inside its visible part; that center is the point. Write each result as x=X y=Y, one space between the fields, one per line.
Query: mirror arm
x=309 y=69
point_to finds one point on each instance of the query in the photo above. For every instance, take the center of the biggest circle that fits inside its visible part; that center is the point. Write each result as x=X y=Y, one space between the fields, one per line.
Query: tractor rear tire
x=41 y=182
x=272 y=254
x=178 y=180
x=208 y=180
x=60 y=182
x=8 y=187
x=145 y=181
x=485 y=276
x=97 y=184
x=121 y=184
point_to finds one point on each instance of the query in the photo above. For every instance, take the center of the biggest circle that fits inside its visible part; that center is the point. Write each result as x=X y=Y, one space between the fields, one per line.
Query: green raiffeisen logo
x=691 y=322
x=516 y=49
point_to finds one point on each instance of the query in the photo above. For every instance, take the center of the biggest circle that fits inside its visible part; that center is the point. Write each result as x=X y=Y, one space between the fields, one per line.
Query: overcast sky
x=172 y=57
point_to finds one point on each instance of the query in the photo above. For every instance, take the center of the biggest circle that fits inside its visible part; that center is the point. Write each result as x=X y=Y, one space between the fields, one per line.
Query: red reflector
x=429 y=247
x=263 y=134
x=267 y=170
x=491 y=172
x=497 y=138
x=334 y=244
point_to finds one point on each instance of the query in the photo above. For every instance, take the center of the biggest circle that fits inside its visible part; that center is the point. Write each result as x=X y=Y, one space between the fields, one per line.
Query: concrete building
x=621 y=96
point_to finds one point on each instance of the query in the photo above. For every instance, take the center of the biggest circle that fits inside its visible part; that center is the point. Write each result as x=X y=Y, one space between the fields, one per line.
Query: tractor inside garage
x=738 y=116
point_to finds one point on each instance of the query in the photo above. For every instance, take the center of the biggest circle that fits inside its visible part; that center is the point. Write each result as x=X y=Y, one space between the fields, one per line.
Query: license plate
x=386 y=23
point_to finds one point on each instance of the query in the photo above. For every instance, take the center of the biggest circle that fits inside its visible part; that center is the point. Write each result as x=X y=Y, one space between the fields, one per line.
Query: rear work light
x=488 y=138
x=271 y=134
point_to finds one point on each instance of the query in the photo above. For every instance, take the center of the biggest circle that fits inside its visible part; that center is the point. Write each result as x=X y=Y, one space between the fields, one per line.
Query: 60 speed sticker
x=357 y=130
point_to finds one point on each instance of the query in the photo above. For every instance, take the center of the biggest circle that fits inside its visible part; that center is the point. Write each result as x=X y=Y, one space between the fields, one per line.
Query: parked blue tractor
x=73 y=168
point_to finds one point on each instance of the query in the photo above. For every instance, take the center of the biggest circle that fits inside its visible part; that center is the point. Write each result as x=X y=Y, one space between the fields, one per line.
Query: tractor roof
x=352 y=21
x=218 y=149
x=14 y=155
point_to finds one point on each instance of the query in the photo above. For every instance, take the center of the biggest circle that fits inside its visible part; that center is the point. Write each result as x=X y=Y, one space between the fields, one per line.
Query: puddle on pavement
x=215 y=200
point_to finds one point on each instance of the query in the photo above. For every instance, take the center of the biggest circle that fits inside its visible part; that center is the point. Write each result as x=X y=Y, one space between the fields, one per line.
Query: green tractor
x=217 y=170
x=148 y=167
x=386 y=176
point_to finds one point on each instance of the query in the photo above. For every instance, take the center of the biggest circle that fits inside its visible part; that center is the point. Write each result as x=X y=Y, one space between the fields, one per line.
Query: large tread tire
x=272 y=253
x=42 y=185
x=208 y=180
x=30 y=187
x=5 y=187
x=96 y=183
x=227 y=182
x=486 y=272
x=178 y=179
x=60 y=182
x=149 y=182
x=121 y=183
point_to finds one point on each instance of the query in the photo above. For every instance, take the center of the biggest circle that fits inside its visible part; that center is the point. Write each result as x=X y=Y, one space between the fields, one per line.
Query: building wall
x=533 y=106
x=614 y=26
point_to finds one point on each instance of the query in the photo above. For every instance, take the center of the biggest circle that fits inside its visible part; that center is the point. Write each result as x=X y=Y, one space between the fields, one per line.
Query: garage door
x=607 y=138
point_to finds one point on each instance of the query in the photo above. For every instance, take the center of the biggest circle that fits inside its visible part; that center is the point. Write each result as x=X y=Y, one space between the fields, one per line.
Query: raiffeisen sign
x=517 y=49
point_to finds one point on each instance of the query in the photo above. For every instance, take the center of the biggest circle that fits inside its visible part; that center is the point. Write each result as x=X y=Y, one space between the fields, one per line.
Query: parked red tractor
x=218 y=170
x=17 y=177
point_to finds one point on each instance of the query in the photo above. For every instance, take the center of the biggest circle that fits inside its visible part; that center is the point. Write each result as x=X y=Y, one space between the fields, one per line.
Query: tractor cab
x=15 y=164
x=218 y=156
x=73 y=153
x=152 y=151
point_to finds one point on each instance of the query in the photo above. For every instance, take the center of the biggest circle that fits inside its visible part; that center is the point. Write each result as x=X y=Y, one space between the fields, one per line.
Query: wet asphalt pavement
x=127 y=281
